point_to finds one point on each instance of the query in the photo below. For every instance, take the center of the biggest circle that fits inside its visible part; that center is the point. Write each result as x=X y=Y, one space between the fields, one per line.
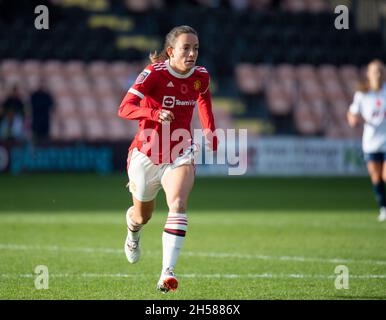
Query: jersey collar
x=176 y=74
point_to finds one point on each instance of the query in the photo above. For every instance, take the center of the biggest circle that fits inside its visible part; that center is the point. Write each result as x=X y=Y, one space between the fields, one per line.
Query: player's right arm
x=130 y=108
x=353 y=114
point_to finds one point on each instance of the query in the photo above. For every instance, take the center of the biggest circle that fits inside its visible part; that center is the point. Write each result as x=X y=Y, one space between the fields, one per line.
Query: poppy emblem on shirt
x=197 y=85
x=184 y=88
x=378 y=103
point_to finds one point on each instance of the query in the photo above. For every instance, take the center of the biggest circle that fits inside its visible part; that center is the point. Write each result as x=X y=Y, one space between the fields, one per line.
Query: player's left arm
x=205 y=113
x=353 y=114
x=353 y=119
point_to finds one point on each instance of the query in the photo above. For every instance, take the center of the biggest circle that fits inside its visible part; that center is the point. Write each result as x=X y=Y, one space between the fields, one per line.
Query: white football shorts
x=145 y=178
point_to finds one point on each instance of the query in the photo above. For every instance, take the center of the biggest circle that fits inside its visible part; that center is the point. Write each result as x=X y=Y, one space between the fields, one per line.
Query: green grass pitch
x=248 y=238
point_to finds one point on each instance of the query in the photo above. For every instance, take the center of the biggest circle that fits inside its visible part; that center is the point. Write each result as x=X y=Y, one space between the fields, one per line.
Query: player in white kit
x=369 y=106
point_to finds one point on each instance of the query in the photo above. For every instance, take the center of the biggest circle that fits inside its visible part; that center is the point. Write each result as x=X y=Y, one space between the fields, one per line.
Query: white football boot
x=132 y=248
x=382 y=214
x=168 y=281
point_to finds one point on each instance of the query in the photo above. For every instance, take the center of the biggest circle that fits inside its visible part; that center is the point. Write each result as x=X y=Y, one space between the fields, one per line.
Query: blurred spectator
x=11 y=126
x=14 y=102
x=42 y=104
x=12 y=116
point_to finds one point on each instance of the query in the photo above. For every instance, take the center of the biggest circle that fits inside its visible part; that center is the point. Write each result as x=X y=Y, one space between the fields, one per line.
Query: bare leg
x=136 y=217
x=375 y=171
x=383 y=171
x=177 y=184
x=142 y=211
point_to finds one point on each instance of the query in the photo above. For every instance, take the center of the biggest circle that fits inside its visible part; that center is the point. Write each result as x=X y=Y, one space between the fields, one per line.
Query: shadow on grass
x=88 y=192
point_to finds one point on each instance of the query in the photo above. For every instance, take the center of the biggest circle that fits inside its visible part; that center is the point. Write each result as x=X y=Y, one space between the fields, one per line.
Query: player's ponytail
x=158 y=57
x=363 y=87
x=169 y=42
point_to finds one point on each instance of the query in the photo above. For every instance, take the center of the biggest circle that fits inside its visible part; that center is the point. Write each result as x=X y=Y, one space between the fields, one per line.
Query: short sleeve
x=205 y=83
x=144 y=82
x=355 y=107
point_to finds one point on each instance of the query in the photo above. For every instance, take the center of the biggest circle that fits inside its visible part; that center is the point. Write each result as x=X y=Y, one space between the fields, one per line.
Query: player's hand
x=353 y=119
x=165 y=116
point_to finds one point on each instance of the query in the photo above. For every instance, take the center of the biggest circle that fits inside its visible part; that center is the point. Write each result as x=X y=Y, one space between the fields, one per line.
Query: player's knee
x=143 y=219
x=376 y=178
x=142 y=216
x=177 y=205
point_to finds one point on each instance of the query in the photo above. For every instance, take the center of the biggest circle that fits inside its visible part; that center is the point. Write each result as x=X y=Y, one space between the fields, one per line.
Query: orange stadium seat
x=318 y=96
x=120 y=129
x=279 y=103
x=72 y=128
x=31 y=67
x=9 y=66
x=97 y=68
x=88 y=107
x=247 y=78
x=305 y=121
x=317 y=5
x=52 y=67
x=109 y=106
x=294 y=5
x=74 y=68
x=94 y=129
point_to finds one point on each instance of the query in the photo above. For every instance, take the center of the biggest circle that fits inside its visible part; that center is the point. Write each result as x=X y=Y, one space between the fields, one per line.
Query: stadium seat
x=247 y=79
x=318 y=96
x=279 y=59
x=305 y=122
x=94 y=129
x=279 y=103
x=72 y=129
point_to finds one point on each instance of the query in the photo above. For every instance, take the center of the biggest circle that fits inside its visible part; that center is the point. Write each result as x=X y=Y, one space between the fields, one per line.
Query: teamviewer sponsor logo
x=185 y=103
x=168 y=101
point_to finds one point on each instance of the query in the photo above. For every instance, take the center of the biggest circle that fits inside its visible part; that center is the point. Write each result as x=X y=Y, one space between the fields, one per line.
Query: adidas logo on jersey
x=170 y=85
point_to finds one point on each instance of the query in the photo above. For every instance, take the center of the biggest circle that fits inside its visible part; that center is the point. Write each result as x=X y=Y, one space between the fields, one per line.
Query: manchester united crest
x=197 y=85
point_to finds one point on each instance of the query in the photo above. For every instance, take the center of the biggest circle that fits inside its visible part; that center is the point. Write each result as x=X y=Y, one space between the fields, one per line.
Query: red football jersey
x=160 y=87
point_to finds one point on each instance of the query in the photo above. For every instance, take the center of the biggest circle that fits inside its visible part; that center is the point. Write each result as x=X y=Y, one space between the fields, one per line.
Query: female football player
x=162 y=99
x=370 y=105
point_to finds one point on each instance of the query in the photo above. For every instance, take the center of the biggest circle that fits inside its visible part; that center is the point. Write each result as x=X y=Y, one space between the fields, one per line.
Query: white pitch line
x=197 y=275
x=282 y=258
x=9 y=246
